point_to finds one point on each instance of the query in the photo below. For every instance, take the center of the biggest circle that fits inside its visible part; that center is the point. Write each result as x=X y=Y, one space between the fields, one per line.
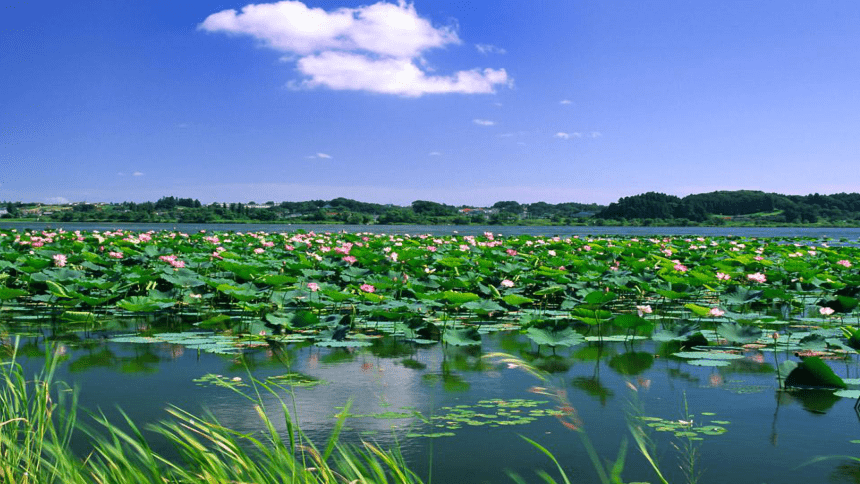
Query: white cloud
x=376 y=48
x=490 y=49
x=57 y=200
x=565 y=101
x=595 y=134
x=434 y=153
x=348 y=71
x=562 y=135
x=138 y=173
x=324 y=156
x=483 y=122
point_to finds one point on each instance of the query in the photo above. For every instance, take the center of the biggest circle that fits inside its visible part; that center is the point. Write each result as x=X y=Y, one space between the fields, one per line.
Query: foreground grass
x=38 y=420
x=37 y=423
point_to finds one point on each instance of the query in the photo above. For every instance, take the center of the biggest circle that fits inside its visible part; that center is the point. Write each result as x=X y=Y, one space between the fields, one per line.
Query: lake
x=768 y=433
x=804 y=232
x=459 y=416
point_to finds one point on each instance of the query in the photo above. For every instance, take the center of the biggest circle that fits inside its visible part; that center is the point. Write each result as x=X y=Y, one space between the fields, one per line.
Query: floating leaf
x=708 y=355
x=516 y=300
x=853 y=394
x=462 y=337
x=547 y=337
x=739 y=333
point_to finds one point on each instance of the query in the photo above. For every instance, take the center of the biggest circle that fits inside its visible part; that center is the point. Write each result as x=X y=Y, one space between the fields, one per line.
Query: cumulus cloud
x=563 y=135
x=376 y=48
x=490 y=49
x=434 y=153
x=319 y=156
x=349 y=71
x=137 y=173
x=565 y=101
x=483 y=122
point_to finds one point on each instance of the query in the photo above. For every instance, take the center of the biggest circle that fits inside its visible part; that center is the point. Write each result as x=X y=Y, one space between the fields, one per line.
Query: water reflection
x=388 y=382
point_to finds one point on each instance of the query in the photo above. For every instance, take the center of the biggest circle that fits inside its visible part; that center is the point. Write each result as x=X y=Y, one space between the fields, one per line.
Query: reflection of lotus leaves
x=813 y=401
x=621 y=338
x=343 y=344
x=552 y=364
x=632 y=363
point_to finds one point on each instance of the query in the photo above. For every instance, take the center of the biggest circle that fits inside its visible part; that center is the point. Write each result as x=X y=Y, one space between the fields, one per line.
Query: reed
x=38 y=418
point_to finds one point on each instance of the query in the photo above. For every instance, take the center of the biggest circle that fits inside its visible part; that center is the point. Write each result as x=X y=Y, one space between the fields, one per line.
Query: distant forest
x=742 y=207
x=717 y=208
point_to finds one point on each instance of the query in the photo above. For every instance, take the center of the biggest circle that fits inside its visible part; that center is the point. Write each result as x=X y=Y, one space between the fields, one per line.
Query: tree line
x=739 y=207
x=720 y=207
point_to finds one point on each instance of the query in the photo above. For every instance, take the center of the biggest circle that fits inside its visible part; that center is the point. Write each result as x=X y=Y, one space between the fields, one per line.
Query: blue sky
x=457 y=102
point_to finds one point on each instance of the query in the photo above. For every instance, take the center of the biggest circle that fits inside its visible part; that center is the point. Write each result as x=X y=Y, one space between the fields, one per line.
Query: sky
x=464 y=103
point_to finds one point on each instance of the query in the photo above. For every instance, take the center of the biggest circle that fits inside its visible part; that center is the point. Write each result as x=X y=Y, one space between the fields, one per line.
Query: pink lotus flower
x=680 y=267
x=350 y=259
x=259 y=250
x=508 y=283
x=59 y=260
x=116 y=255
x=844 y=263
x=757 y=277
x=716 y=312
x=313 y=286
x=511 y=252
x=721 y=276
x=643 y=310
x=367 y=288
x=826 y=311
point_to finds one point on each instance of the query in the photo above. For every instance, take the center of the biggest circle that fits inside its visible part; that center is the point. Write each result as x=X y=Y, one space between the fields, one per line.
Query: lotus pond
x=709 y=359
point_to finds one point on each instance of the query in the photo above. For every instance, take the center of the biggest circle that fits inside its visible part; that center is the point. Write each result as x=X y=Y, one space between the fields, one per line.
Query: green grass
x=38 y=418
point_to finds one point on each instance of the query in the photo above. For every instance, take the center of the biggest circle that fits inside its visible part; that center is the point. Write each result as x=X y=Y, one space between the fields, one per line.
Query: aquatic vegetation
x=716 y=304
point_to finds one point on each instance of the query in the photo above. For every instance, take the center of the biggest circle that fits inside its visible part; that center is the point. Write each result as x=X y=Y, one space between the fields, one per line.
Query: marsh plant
x=38 y=419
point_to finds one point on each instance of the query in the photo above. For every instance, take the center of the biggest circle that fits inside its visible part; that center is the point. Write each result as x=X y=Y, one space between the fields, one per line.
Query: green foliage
x=813 y=372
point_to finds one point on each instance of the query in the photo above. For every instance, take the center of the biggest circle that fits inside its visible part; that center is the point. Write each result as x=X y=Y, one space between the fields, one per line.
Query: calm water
x=851 y=234
x=769 y=432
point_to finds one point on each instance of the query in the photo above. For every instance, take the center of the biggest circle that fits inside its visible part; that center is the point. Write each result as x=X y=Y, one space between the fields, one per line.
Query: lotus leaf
x=563 y=337
x=813 y=372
